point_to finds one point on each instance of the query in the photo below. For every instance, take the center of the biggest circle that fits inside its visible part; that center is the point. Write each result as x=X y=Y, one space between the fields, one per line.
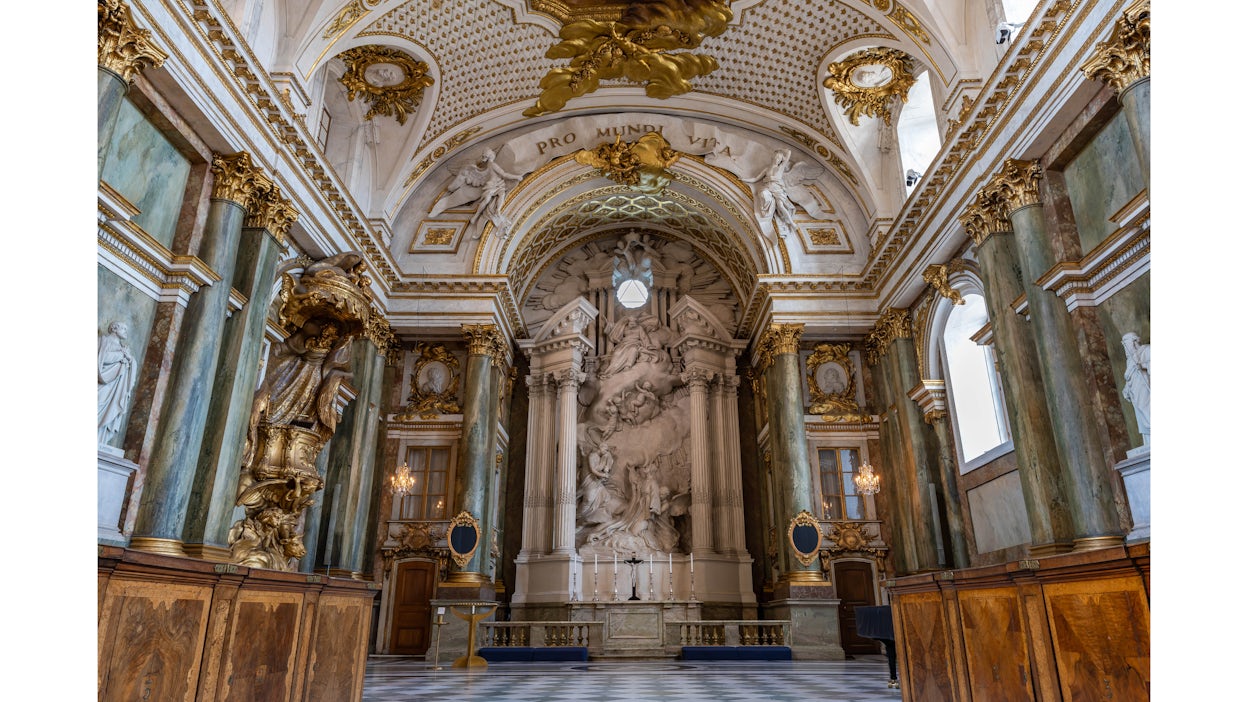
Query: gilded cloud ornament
x=641 y=164
x=392 y=82
x=636 y=48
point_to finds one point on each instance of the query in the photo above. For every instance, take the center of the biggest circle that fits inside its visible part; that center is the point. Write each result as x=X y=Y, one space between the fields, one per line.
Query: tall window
x=973 y=386
x=917 y=136
x=430 y=466
x=836 y=481
x=322 y=129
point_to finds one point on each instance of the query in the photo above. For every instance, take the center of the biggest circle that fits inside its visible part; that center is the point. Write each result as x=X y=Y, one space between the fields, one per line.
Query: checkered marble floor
x=402 y=679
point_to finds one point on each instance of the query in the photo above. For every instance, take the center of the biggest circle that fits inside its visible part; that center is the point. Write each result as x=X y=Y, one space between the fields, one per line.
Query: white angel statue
x=486 y=184
x=782 y=186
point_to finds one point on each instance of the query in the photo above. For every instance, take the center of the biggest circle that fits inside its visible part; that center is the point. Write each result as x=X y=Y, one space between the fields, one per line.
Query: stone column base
x=1135 y=471
x=113 y=472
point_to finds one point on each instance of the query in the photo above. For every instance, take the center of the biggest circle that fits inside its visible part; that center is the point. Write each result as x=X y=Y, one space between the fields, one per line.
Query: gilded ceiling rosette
x=641 y=164
x=636 y=47
x=389 y=80
x=870 y=82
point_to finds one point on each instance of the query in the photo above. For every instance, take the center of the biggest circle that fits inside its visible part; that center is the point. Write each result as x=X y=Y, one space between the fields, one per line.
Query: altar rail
x=729 y=632
x=524 y=634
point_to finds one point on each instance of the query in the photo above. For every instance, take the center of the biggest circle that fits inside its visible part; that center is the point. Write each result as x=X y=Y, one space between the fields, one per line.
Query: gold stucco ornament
x=870 y=82
x=830 y=377
x=435 y=383
x=389 y=80
x=636 y=47
x=642 y=164
x=297 y=408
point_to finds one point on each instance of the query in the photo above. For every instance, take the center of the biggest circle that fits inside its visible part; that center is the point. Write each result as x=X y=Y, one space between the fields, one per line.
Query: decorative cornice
x=1113 y=264
x=386 y=94
x=930 y=396
x=124 y=48
x=937 y=276
x=235 y=178
x=267 y=209
x=893 y=324
x=1017 y=184
x=1123 y=59
x=864 y=97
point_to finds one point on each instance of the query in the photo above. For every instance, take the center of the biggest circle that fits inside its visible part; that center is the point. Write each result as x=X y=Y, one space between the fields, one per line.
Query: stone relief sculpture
x=1138 y=387
x=779 y=186
x=486 y=184
x=435 y=383
x=116 y=372
x=297 y=408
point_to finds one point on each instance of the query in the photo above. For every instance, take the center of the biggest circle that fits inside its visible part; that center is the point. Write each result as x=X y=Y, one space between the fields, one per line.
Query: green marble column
x=919 y=452
x=1123 y=62
x=960 y=557
x=213 y=493
x=477 y=441
x=124 y=50
x=790 y=457
x=1044 y=492
x=180 y=433
x=352 y=463
x=1071 y=408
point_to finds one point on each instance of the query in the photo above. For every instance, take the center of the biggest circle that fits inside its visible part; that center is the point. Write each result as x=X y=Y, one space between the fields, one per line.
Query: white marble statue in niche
x=117 y=371
x=486 y=184
x=1138 y=387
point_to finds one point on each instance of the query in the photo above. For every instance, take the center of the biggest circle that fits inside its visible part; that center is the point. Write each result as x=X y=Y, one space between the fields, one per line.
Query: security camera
x=1005 y=29
x=912 y=177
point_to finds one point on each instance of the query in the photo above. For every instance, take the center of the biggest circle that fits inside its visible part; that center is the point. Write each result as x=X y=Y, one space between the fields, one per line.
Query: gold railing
x=733 y=632
x=514 y=634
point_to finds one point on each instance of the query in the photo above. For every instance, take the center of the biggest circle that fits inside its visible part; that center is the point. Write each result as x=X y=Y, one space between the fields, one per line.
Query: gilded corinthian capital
x=1017 y=185
x=778 y=339
x=486 y=340
x=1123 y=59
x=893 y=324
x=984 y=217
x=236 y=179
x=267 y=209
x=124 y=48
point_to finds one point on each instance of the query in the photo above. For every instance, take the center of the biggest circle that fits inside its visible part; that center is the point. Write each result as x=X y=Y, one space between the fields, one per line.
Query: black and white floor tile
x=404 y=679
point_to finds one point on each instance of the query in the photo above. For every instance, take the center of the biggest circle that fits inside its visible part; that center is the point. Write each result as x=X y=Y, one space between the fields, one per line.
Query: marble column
x=701 y=506
x=124 y=51
x=214 y=491
x=732 y=468
x=171 y=470
x=477 y=441
x=1071 y=406
x=1123 y=61
x=915 y=444
x=353 y=460
x=1044 y=493
x=948 y=473
x=564 y=541
x=534 y=533
x=790 y=456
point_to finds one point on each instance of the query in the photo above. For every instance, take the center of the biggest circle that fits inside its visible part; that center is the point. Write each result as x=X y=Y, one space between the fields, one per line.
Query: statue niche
x=297 y=408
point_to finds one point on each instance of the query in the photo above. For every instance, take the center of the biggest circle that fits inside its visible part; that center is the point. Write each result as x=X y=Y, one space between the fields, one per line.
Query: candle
x=615 y=563
x=595 y=564
x=669 y=564
x=441 y=611
x=691 y=561
x=652 y=565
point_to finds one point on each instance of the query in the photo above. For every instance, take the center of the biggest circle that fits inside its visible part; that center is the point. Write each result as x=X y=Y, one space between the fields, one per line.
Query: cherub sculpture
x=486 y=184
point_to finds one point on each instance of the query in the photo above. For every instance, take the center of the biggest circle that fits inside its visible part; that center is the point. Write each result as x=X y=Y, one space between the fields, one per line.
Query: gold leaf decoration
x=641 y=164
x=870 y=81
x=635 y=48
x=386 y=91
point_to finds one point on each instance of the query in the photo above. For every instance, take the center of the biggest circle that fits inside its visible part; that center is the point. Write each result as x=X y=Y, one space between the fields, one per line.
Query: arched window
x=974 y=388
x=917 y=136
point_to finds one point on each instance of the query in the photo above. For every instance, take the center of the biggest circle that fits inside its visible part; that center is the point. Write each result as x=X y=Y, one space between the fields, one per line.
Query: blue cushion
x=736 y=653
x=510 y=654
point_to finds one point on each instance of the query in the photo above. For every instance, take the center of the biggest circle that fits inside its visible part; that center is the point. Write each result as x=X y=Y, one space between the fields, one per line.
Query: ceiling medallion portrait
x=870 y=82
x=641 y=164
x=389 y=80
x=635 y=48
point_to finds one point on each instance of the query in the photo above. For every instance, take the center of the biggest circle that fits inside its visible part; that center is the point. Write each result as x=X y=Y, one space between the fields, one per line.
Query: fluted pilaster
x=565 y=467
x=700 y=509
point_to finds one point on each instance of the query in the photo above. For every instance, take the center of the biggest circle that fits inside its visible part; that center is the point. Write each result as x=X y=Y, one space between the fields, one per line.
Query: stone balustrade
x=731 y=632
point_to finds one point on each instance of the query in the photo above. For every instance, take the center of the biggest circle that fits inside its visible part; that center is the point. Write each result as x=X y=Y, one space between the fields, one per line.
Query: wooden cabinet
x=1070 y=627
x=185 y=629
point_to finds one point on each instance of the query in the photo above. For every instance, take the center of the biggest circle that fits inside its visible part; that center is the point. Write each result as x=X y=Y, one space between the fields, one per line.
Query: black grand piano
x=877 y=623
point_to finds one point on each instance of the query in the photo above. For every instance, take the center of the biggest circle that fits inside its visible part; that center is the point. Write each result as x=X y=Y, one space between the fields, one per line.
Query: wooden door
x=856 y=588
x=413 y=588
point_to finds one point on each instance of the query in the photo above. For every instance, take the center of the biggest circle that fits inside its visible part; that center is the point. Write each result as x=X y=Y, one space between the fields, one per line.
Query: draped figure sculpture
x=116 y=371
x=487 y=185
x=1138 y=387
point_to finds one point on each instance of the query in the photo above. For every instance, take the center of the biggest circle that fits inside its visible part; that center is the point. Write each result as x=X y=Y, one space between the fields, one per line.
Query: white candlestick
x=595 y=564
x=615 y=563
x=669 y=564
x=691 y=561
x=652 y=565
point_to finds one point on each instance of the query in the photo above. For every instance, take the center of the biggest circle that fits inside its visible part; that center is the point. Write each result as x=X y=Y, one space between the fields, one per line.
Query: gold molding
x=1017 y=184
x=462 y=559
x=151 y=544
x=396 y=100
x=893 y=324
x=804 y=518
x=429 y=404
x=1123 y=59
x=871 y=100
x=641 y=165
x=348 y=16
x=123 y=47
x=634 y=48
x=235 y=178
x=937 y=276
